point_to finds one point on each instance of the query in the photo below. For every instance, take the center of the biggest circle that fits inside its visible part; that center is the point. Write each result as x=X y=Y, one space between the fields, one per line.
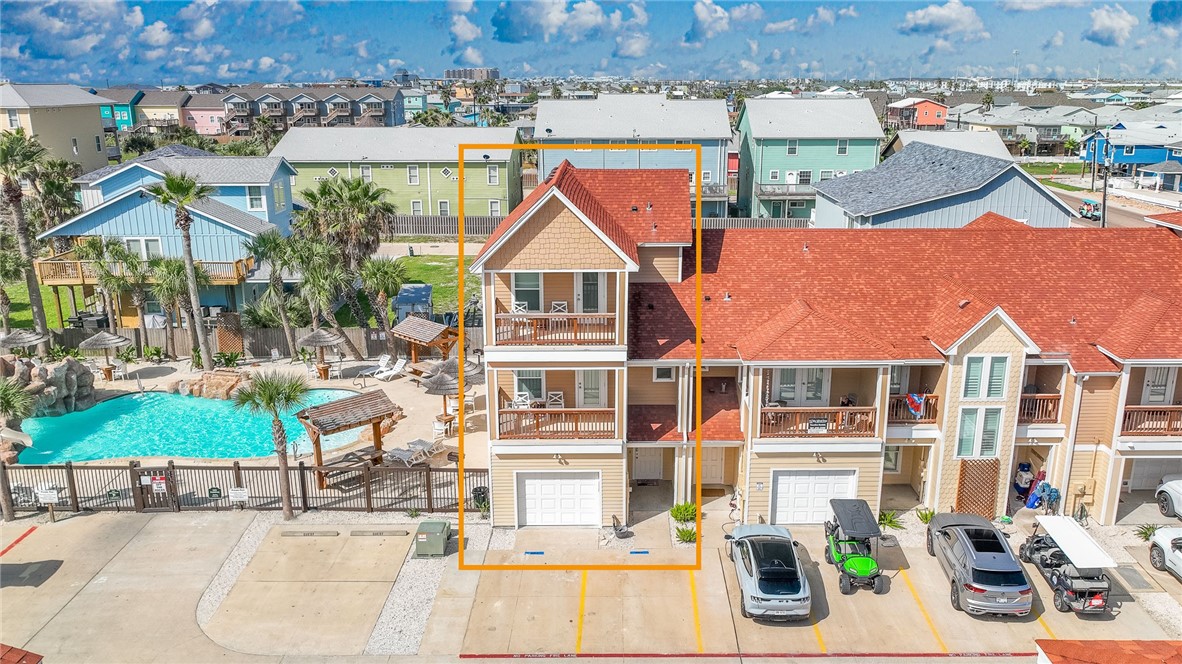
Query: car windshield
x=989 y=577
x=775 y=562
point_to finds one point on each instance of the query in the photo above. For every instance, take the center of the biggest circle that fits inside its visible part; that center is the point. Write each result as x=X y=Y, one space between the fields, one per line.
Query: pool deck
x=419 y=410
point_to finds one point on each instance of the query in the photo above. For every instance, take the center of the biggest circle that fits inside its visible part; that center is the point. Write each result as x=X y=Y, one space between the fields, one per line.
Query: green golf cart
x=851 y=543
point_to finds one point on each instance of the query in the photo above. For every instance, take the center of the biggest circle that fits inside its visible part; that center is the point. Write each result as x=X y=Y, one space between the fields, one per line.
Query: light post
x=1107 y=169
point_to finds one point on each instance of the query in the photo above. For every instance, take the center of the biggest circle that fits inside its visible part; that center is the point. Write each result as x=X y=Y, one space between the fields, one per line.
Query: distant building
x=916 y=113
x=313 y=107
x=66 y=119
x=474 y=73
x=987 y=142
x=205 y=114
x=122 y=111
x=211 y=89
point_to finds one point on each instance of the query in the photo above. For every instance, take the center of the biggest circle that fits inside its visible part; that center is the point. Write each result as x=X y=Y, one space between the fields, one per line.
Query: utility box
x=431 y=539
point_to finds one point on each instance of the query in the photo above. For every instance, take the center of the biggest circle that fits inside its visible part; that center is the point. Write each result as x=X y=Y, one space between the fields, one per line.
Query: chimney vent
x=963 y=303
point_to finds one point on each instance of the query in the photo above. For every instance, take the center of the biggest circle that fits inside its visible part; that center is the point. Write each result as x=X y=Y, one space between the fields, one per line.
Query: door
x=1159 y=386
x=713 y=464
x=801 y=388
x=648 y=463
x=802 y=496
x=591 y=294
x=777 y=208
x=156 y=489
x=591 y=388
x=558 y=499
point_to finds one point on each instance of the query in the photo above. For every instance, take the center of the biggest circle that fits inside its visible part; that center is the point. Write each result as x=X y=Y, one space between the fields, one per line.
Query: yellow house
x=159 y=111
x=65 y=118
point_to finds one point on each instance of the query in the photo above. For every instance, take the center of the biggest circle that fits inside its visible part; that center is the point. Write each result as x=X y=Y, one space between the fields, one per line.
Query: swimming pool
x=167 y=425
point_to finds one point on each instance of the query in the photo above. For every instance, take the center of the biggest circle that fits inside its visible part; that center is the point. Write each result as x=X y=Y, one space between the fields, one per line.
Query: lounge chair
x=396 y=456
x=392 y=372
x=423 y=450
x=383 y=364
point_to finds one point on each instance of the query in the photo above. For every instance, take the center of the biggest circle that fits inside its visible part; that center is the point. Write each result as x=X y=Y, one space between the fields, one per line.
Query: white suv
x=1165 y=550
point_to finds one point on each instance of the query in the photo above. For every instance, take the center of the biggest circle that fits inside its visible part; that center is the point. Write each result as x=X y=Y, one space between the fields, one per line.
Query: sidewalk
x=400 y=249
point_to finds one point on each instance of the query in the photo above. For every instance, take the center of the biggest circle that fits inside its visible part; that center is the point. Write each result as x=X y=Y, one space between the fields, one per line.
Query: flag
x=915 y=404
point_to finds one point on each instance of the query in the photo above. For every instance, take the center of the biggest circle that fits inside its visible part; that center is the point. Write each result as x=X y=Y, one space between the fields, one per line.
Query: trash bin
x=431 y=539
x=479 y=496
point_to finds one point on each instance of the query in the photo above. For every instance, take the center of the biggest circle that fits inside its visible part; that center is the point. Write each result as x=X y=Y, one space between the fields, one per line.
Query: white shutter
x=989 y=430
x=972 y=377
x=997 y=377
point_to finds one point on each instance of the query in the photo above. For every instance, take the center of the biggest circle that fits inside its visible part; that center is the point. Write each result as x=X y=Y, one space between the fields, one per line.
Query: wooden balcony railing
x=555 y=329
x=273 y=110
x=778 y=422
x=57 y=271
x=1039 y=408
x=556 y=423
x=302 y=111
x=235 y=109
x=1152 y=421
x=372 y=109
x=898 y=412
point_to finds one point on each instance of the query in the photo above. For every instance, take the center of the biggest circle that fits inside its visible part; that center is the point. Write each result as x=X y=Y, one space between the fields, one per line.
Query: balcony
x=64 y=270
x=555 y=329
x=784 y=190
x=853 y=422
x=1039 y=408
x=236 y=110
x=713 y=190
x=899 y=412
x=273 y=110
x=1152 y=421
x=304 y=111
x=372 y=110
x=556 y=423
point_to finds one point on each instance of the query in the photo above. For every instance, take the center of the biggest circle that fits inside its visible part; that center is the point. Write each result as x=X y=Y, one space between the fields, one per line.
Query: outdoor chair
x=522 y=400
x=275 y=355
x=120 y=370
x=520 y=307
x=555 y=400
x=397 y=456
x=334 y=369
x=558 y=307
x=393 y=372
x=383 y=364
x=311 y=369
x=423 y=450
x=453 y=405
x=439 y=429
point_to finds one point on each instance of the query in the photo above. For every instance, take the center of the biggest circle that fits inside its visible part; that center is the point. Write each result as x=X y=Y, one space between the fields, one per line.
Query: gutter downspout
x=1066 y=479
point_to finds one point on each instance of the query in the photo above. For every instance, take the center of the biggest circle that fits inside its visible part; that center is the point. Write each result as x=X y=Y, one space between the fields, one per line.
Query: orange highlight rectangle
x=697 y=149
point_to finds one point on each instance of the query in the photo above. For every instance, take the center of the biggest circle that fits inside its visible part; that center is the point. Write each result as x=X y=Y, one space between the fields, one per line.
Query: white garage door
x=1147 y=473
x=558 y=499
x=802 y=496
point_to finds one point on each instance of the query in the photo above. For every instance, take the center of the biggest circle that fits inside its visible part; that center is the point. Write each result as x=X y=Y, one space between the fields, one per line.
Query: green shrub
x=925 y=515
x=484 y=508
x=154 y=354
x=413 y=513
x=226 y=359
x=23 y=353
x=126 y=356
x=684 y=512
x=57 y=353
x=687 y=535
x=889 y=519
x=1145 y=531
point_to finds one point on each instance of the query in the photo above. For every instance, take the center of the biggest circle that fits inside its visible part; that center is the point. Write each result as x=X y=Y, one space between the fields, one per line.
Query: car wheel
x=880 y=585
x=931 y=547
x=743 y=610
x=1165 y=504
x=1060 y=601
x=845 y=585
x=954 y=597
x=1024 y=553
x=730 y=551
x=828 y=554
x=1157 y=558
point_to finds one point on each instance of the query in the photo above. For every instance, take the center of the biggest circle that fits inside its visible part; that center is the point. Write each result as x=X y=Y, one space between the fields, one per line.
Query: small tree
x=1024 y=145
x=987 y=100
x=139 y=144
x=12 y=271
x=1071 y=145
x=21 y=156
x=275 y=393
x=381 y=278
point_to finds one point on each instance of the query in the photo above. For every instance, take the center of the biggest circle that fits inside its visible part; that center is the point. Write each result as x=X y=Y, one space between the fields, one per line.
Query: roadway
x=1119 y=215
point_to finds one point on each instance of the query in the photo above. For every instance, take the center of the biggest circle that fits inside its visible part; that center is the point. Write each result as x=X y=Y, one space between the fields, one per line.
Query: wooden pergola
x=423 y=333
x=368 y=408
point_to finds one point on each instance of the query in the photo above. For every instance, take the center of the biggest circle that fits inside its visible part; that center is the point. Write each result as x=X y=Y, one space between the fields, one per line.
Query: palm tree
x=264 y=130
x=987 y=100
x=323 y=281
x=490 y=118
x=381 y=278
x=12 y=268
x=20 y=157
x=275 y=393
x=104 y=256
x=170 y=287
x=53 y=182
x=139 y=144
x=135 y=275
x=272 y=248
x=433 y=117
x=357 y=231
x=181 y=191
x=323 y=206
x=243 y=148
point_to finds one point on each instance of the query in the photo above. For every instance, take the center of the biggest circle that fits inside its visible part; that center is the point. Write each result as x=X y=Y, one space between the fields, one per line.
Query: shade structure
x=473 y=374
x=321 y=338
x=442 y=384
x=23 y=338
x=104 y=341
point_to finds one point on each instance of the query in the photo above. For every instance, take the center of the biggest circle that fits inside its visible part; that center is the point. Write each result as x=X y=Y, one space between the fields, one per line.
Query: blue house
x=251 y=195
x=615 y=121
x=929 y=186
x=122 y=112
x=1128 y=147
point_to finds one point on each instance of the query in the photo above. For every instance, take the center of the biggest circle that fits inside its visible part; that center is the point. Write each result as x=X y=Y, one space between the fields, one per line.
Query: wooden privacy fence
x=432 y=224
x=172 y=488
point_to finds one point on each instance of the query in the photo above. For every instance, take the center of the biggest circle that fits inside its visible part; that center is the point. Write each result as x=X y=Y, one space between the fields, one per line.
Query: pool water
x=168 y=425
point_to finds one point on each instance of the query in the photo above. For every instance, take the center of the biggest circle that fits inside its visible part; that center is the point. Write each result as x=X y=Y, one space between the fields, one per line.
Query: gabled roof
x=120 y=95
x=651 y=116
x=1167 y=220
x=1142 y=327
x=19 y=95
x=912 y=101
x=1089 y=651
x=798 y=328
x=812 y=118
x=147 y=159
x=205 y=167
x=987 y=143
x=392 y=144
x=155 y=98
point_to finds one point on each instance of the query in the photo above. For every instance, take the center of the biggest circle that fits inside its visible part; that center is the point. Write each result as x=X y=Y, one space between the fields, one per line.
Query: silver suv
x=986 y=576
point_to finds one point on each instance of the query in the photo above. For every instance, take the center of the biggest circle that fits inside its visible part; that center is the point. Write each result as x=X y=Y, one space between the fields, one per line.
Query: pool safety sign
x=159 y=484
x=239 y=494
x=47 y=496
x=214 y=493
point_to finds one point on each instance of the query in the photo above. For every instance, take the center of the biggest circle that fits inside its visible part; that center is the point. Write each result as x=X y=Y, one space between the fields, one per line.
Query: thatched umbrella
x=473 y=373
x=105 y=341
x=444 y=385
x=321 y=339
x=23 y=339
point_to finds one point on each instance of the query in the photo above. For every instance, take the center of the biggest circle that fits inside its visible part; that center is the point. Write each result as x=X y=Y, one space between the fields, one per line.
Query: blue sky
x=294 y=40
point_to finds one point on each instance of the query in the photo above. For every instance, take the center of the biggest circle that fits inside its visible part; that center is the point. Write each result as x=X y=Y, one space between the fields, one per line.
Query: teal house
x=123 y=110
x=787 y=146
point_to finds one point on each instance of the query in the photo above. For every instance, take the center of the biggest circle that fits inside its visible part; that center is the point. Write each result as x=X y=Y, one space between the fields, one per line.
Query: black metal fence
x=176 y=488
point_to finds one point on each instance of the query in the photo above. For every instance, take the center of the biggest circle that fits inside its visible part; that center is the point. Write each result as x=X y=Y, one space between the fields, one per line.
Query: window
x=899 y=377
x=280 y=195
x=367 y=173
x=412 y=174
x=14 y=119
x=1130 y=149
x=416 y=208
x=445 y=208
x=494 y=208
x=1176 y=153
x=890 y=459
x=925 y=114
x=681 y=141
x=494 y=174
x=445 y=172
x=975 y=377
x=843 y=146
x=706 y=177
x=662 y=374
x=795 y=204
x=98 y=143
x=978 y=432
x=254 y=198
x=826 y=175
x=793 y=147
x=527 y=288
x=386 y=167
x=74 y=143
x=292 y=180
x=691 y=178
x=804 y=177
x=528 y=381
x=939 y=114
x=615 y=142
x=773 y=176
x=144 y=247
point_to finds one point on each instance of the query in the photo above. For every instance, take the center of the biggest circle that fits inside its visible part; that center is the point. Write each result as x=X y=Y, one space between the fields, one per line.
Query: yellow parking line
x=697 y=618
x=1046 y=627
x=820 y=641
x=582 y=605
x=924 y=611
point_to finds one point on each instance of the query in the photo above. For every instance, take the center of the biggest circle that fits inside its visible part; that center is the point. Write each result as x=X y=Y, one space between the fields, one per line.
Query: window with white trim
x=939 y=114
x=494 y=208
x=367 y=173
x=292 y=180
x=890 y=459
x=985 y=377
x=793 y=147
x=445 y=208
x=707 y=178
x=74 y=143
x=826 y=175
x=681 y=141
x=1130 y=149
x=616 y=142
x=412 y=174
x=14 y=119
x=254 y=199
x=144 y=247
x=529 y=380
x=843 y=146
x=663 y=374
x=416 y=208
x=978 y=434
x=773 y=176
x=804 y=177
x=527 y=288
x=795 y=204
x=494 y=174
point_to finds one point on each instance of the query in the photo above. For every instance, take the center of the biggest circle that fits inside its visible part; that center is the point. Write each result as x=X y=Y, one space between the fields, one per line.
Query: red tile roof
x=1111 y=652
x=607 y=197
x=1171 y=218
x=13 y=655
x=902 y=290
x=653 y=423
x=720 y=411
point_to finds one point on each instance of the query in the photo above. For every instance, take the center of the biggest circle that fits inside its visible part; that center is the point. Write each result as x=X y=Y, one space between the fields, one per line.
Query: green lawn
x=22 y=316
x=440 y=272
x=1059 y=185
x=1048 y=168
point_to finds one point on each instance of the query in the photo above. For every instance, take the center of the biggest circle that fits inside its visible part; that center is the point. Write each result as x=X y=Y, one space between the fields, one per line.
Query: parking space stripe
x=582 y=606
x=697 y=617
x=820 y=640
x=924 y=611
x=1046 y=627
x=16 y=541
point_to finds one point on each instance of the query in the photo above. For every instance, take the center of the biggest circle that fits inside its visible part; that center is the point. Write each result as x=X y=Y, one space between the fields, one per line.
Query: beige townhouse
x=66 y=119
x=904 y=367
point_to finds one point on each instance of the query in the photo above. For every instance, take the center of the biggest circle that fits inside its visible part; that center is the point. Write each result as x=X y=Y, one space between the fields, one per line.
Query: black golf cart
x=1071 y=562
x=851 y=545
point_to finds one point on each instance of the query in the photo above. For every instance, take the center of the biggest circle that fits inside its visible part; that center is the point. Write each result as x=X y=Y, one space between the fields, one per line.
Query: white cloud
x=42 y=22
x=584 y=18
x=363 y=48
x=11 y=49
x=202 y=53
x=200 y=70
x=1111 y=26
x=936 y=48
x=460 y=6
x=780 y=27
x=202 y=29
x=776 y=55
x=463 y=30
x=954 y=17
x=134 y=19
x=81 y=45
x=1055 y=40
x=472 y=56
x=821 y=17
x=753 y=47
x=156 y=34
x=848 y=12
x=632 y=45
x=266 y=62
x=748 y=12
x=709 y=20
x=1035 y=5
x=155 y=54
x=395 y=63
x=196 y=9
x=749 y=68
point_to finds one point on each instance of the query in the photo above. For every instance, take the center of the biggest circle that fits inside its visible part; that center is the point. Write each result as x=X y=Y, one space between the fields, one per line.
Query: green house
x=419 y=165
x=788 y=145
x=123 y=110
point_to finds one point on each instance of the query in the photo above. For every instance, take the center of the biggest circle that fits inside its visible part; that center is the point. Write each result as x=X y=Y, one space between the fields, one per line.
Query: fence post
x=137 y=496
x=303 y=488
x=173 y=497
x=430 y=490
x=238 y=481
x=6 y=494
x=72 y=487
x=365 y=480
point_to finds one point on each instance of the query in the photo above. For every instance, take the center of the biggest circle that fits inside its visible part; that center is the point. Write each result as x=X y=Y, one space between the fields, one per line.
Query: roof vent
x=727 y=297
x=1073 y=320
x=650 y=206
x=707 y=298
x=635 y=208
x=963 y=303
x=806 y=248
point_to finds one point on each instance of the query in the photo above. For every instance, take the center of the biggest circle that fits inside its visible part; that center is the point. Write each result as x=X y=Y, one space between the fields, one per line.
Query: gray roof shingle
x=918 y=172
x=205 y=167
x=118 y=95
x=390 y=144
x=812 y=118
x=147 y=159
x=35 y=96
x=157 y=98
x=233 y=216
x=633 y=116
